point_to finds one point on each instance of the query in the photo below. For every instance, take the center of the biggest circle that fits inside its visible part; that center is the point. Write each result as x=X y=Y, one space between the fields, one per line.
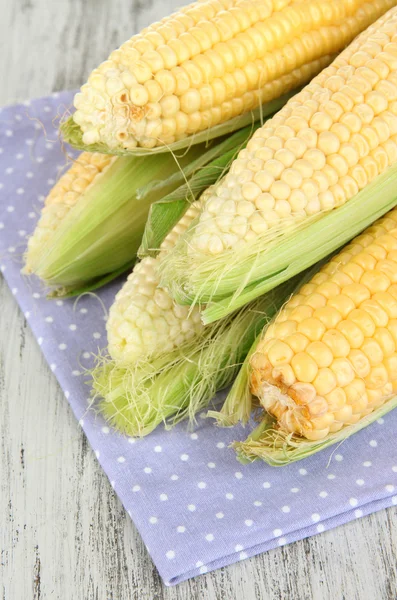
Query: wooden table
x=63 y=532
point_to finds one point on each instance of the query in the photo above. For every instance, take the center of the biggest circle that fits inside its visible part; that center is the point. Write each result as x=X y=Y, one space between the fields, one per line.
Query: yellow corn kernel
x=320 y=353
x=343 y=371
x=312 y=328
x=372 y=350
x=374 y=310
x=377 y=378
x=280 y=353
x=385 y=341
x=352 y=333
x=343 y=304
x=337 y=343
x=325 y=381
x=357 y=292
x=297 y=342
x=329 y=316
x=304 y=367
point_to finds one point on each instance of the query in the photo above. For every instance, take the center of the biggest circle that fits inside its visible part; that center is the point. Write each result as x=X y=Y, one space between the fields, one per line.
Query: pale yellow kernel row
x=144 y=320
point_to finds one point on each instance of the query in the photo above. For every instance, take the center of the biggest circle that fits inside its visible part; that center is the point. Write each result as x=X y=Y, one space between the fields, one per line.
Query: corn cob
x=144 y=321
x=330 y=357
x=210 y=62
x=321 y=149
x=327 y=145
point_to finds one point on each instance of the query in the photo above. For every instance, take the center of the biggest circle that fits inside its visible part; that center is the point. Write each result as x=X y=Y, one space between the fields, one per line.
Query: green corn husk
x=227 y=283
x=278 y=448
x=101 y=233
x=90 y=286
x=239 y=402
x=175 y=386
x=100 y=236
x=72 y=134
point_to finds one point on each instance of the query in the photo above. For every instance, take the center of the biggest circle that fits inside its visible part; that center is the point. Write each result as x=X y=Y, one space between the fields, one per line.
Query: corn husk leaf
x=239 y=402
x=175 y=386
x=229 y=282
x=278 y=448
x=101 y=234
x=72 y=134
x=165 y=213
x=90 y=286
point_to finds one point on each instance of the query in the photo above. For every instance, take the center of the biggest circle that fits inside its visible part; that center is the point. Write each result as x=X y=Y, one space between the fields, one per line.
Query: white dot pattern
x=210 y=510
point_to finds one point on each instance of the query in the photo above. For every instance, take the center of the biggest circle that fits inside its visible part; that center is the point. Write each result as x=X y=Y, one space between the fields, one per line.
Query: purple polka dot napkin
x=195 y=506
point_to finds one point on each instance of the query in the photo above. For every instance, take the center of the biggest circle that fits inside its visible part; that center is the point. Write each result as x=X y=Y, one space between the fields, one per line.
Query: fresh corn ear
x=327 y=365
x=204 y=66
x=93 y=219
x=330 y=144
x=164 y=365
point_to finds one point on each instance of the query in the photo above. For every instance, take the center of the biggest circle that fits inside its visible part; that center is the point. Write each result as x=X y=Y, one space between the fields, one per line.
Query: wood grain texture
x=63 y=532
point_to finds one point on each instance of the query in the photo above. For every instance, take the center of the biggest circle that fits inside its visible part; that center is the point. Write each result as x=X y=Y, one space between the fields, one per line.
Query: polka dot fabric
x=195 y=506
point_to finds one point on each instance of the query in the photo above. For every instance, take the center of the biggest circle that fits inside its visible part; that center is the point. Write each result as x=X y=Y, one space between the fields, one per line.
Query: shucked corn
x=330 y=357
x=144 y=320
x=324 y=146
x=211 y=61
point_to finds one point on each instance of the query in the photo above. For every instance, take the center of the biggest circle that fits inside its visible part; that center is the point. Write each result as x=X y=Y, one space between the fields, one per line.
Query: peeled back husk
x=174 y=386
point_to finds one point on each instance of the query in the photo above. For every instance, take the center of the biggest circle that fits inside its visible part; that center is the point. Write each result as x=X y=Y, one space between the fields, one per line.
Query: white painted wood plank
x=63 y=532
